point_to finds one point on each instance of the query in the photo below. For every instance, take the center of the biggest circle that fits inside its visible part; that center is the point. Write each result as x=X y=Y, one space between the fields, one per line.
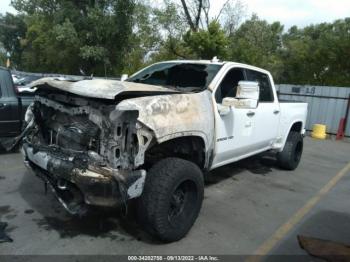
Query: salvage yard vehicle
x=153 y=136
x=22 y=83
x=12 y=106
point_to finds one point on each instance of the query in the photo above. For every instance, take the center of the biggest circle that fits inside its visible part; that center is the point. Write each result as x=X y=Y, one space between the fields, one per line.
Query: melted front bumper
x=76 y=182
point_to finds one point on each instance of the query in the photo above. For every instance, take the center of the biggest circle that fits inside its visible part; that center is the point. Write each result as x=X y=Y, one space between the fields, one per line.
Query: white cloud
x=5 y=7
x=300 y=12
x=294 y=12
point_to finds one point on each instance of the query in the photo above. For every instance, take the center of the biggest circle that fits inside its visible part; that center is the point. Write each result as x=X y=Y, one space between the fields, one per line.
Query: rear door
x=267 y=114
x=9 y=111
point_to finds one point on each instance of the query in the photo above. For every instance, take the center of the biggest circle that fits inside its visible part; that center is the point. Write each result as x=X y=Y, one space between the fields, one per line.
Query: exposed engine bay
x=86 y=150
x=93 y=141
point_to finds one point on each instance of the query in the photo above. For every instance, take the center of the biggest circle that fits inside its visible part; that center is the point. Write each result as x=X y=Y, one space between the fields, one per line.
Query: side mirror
x=229 y=101
x=124 y=77
x=247 y=95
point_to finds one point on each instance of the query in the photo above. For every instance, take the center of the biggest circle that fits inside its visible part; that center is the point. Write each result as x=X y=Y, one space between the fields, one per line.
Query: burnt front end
x=88 y=152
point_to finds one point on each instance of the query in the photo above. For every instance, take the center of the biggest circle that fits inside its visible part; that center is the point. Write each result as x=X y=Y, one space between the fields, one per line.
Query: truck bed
x=288 y=101
x=291 y=112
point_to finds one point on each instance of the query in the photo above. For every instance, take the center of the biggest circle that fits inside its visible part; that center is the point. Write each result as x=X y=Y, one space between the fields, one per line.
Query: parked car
x=25 y=80
x=153 y=136
x=15 y=77
x=22 y=83
x=12 y=106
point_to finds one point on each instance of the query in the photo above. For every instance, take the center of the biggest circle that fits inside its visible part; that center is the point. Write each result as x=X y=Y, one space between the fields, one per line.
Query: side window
x=228 y=86
x=266 y=94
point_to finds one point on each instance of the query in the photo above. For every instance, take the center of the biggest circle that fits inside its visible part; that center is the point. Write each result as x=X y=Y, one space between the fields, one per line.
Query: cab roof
x=217 y=62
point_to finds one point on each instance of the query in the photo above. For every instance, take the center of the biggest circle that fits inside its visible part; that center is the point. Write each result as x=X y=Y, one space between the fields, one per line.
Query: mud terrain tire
x=172 y=199
x=290 y=157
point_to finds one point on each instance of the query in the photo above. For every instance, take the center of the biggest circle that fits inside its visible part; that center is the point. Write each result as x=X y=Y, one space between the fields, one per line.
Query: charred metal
x=95 y=150
x=84 y=156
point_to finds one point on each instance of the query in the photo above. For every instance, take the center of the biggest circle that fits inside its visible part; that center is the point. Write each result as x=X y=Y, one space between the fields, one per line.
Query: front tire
x=172 y=199
x=290 y=157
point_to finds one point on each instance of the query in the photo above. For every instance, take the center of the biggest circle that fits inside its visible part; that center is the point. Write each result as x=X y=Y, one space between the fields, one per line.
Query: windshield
x=181 y=76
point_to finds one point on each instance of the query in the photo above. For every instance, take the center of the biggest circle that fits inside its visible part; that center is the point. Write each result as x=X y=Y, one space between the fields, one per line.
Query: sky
x=288 y=12
x=295 y=12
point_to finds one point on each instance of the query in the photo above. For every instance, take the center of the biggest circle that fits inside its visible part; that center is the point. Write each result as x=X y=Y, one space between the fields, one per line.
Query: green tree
x=185 y=23
x=145 y=39
x=317 y=54
x=2 y=55
x=111 y=37
x=73 y=36
x=173 y=26
x=12 y=32
x=257 y=42
x=205 y=44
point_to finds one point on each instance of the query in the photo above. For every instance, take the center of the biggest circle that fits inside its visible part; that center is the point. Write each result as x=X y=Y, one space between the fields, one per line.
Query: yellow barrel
x=319 y=131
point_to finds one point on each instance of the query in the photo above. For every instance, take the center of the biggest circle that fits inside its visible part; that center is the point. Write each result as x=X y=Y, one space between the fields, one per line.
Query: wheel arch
x=297 y=126
x=191 y=146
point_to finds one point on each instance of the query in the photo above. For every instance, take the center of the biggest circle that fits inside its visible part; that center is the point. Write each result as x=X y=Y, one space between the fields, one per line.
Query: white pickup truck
x=153 y=136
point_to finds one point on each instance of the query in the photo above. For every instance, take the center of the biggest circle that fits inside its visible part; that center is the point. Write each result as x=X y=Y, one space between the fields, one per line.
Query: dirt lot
x=250 y=206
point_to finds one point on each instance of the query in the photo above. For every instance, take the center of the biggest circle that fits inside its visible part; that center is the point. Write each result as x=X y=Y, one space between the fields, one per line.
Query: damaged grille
x=77 y=133
x=109 y=138
x=86 y=150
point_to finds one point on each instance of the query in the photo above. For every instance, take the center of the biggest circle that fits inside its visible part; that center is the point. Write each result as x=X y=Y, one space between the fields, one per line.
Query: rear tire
x=172 y=199
x=290 y=157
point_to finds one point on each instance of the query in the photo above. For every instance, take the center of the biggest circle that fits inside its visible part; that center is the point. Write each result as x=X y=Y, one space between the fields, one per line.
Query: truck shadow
x=109 y=223
x=260 y=165
x=4 y=152
x=98 y=223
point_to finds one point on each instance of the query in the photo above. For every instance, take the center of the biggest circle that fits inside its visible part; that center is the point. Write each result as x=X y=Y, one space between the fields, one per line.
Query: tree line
x=111 y=37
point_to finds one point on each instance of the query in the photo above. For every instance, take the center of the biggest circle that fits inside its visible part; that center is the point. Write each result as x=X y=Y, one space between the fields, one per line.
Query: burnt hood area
x=98 y=88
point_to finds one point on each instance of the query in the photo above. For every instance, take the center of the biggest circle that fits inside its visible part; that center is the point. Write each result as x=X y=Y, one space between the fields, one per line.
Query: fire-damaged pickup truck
x=154 y=135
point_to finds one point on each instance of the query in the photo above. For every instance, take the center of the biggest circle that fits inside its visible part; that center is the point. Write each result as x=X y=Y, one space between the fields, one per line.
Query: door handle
x=276 y=112
x=250 y=114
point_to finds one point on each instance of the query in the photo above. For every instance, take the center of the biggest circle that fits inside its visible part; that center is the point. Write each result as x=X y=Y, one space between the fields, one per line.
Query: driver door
x=234 y=130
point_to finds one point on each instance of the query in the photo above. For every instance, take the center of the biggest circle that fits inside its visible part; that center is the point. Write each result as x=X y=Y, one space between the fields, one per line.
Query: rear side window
x=266 y=94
